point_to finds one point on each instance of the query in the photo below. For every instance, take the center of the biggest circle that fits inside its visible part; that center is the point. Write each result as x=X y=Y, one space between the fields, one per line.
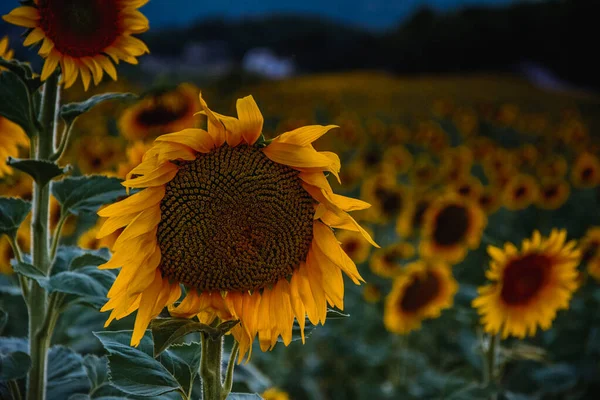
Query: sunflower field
x=351 y=235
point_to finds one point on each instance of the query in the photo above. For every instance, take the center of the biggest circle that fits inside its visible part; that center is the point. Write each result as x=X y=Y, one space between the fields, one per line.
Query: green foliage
x=169 y=331
x=70 y=111
x=66 y=374
x=41 y=171
x=14 y=365
x=86 y=193
x=243 y=396
x=15 y=102
x=23 y=71
x=13 y=212
x=135 y=371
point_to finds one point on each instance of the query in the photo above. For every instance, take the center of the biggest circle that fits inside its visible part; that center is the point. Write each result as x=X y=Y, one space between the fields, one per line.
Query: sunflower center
x=587 y=173
x=350 y=246
x=523 y=278
x=162 y=113
x=551 y=192
x=417 y=217
x=390 y=201
x=451 y=225
x=419 y=293
x=80 y=28
x=234 y=220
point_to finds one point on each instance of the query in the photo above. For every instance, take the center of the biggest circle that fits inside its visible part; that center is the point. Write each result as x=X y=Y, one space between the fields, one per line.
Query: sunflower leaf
x=134 y=370
x=23 y=71
x=30 y=271
x=14 y=102
x=88 y=284
x=86 y=193
x=168 y=331
x=41 y=171
x=13 y=212
x=15 y=365
x=73 y=110
x=66 y=374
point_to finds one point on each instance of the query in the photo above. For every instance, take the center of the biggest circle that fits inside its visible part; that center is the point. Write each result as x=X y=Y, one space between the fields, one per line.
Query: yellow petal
x=197 y=139
x=251 y=120
x=305 y=135
x=134 y=203
x=296 y=156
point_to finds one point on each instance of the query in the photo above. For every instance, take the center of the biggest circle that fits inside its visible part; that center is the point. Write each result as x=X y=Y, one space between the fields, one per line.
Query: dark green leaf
x=66 y=374
x=3 y=320
x=86 y=193
x=556 y=378
x=73 y=110
x=30 y=271
x=92 y=258
x=87 y=281
x=12 y=344
x=167 y=331
x=14 y=102
x=243 y=396
x=14 y=365
x=183 y=362
x=41 y=171
x=65 y=256
x=134 y=371
x=13 y=212
x=96 y=369
x=23 y=71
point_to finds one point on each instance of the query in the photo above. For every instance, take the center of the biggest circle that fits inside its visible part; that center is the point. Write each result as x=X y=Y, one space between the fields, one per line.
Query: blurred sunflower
x=96 y=154
x=529 y=285
x=424 y=172
x=397 y=160
x=590 y=244
x=274 y=394
x=387 y=197
x=489 y=200
x=553 y=194
x=12 y=136
x=421 y=292
x=160 y=113
x=385 y=262
x=70 y=223
x=520 y=192
x=466 y=186
x=552 y=166
x=371 y=293
x=526 y=156
x=232 y=220
x=410 y=219
x=456 y=162
x=84 y=36
x=593 y=267
x=6 y=250
x=5 y=51
x=451 y=226
x=135 y=153
x=585 y=172
x=354 y=244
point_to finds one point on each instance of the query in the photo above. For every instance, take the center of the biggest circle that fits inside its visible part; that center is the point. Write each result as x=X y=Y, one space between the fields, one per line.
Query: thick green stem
x=210 y=368
x=39 y=335
x=229 y=375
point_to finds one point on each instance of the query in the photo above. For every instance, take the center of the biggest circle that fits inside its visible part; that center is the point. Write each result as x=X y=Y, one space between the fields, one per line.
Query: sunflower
x=528 y=285
x=387 y=197
x=397 y=160
x=451 y=225
x=520 y=192
x=385 y=262
x=421 y=292
x=590 y=244
x=593 y=267
x=243 y=224
x=275 y=394
x=84 y=36
x=410 y=219
x=456 y=162
x=160 y=113
x=467 y=186
x=585 y=172
x=5 y=51
x=424 y=172
x=553 y=194
x=489 y=200
x=354 y=245
x=12 y=136
x=96 y=154
x=552 y=166
x=371 y=293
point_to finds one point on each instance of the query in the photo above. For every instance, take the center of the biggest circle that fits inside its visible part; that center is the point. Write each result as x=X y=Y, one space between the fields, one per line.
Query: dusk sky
x=372 y=14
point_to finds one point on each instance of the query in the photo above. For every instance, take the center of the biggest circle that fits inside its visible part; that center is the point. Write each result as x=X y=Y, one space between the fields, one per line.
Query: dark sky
x=372 y=14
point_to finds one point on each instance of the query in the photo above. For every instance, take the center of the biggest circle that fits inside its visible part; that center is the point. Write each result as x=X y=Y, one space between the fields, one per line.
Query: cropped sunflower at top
x=244 y=225
x=451 y=226
x=529 y=285
x=421 y=292
x=86 y=37
x=160 y=113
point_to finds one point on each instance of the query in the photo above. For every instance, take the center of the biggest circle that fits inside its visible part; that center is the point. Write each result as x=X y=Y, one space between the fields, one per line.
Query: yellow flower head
x=244 y=225
x=553 y=193
x=275 y=394
x=528 y=285
x=520 y=192
x=421 y=292
x=86 y=37
x=585 y=172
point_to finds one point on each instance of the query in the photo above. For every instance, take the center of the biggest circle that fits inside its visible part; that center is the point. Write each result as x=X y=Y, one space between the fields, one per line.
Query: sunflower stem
x=210 y=368
x=39 y=334
x=228 y=384
x=64 y=141
x=489 y=362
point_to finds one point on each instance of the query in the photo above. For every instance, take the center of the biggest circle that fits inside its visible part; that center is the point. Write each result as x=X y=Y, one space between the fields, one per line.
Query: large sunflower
x=244 y=225
x=160 y=113
x=529 y=285
x=421 y=292
x=451 y=226
x=84 y=36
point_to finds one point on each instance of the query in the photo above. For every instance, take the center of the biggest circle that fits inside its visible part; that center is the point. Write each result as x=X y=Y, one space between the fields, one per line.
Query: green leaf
x=134 y=371
x=92 y=258
x=66 y=374
x=168 y=331
x=88 y=284
x=41 y=171
x=3 y=319
x=73 y=110
x=23 y=71
x=96 y=369
x=556 y=378
x=14 y=365
x=14 y=102
x=30 y=271
x=86 y=193
x=243 y=396
x=13 y=212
